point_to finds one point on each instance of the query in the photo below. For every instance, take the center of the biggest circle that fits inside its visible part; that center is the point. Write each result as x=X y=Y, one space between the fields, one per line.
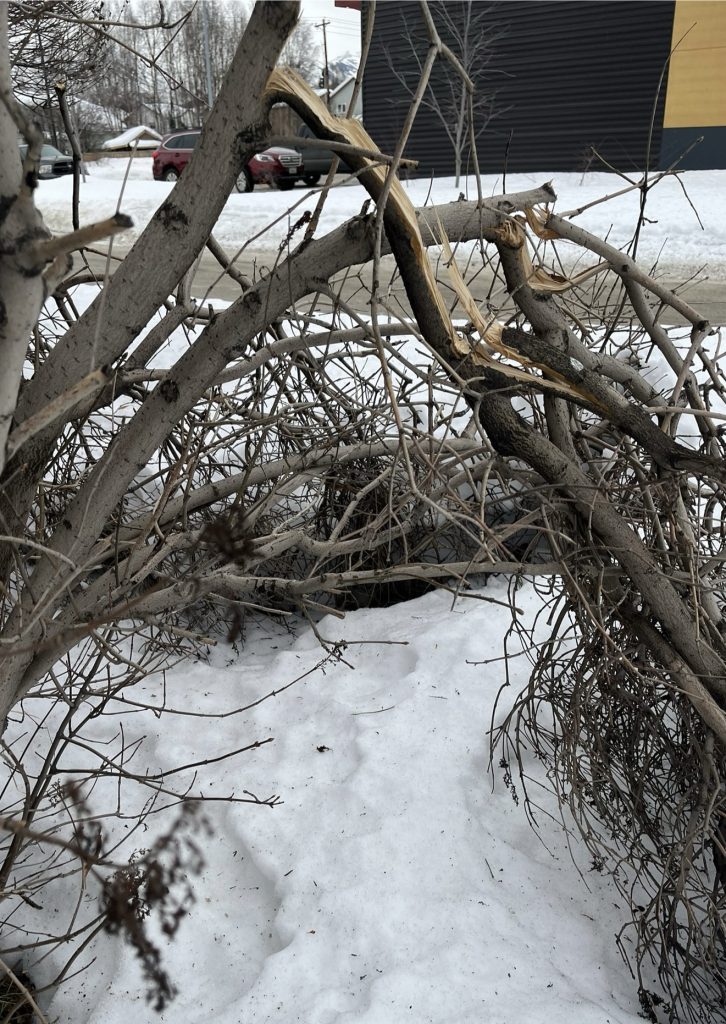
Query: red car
x=275 y=166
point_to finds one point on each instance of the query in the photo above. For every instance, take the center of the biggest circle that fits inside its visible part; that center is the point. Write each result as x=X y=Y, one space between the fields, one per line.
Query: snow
x=141 y=136
x=672 y=234
x=393 y=882
x=397 y=879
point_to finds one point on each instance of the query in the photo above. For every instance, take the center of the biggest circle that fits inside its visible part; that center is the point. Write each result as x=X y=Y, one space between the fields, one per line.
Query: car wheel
x=285 y=184
x=311 y=179
x=244 y=182
x=170 y=174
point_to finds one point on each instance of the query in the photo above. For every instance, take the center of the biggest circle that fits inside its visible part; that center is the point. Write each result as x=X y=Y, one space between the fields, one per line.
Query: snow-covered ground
x=398 y=879
x=672 y=234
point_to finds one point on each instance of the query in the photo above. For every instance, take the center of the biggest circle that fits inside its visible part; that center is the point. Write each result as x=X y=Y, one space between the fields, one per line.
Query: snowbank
x=672 y=235
x=397 y=880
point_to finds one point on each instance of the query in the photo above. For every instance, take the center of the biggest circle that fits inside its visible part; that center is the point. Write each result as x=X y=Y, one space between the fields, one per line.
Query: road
x=708 y=297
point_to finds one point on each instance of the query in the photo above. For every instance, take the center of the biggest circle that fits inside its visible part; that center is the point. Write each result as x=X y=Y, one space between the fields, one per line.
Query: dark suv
x=276 y=166
x=53 y=163
x=317 y=160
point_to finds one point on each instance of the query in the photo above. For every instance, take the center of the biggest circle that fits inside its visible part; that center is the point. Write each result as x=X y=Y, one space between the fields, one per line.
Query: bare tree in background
x=122 y=63
x=53 y=43
x=156 y=69
x=463 y=104
x=184 y=62
x=302 y=52
x=282 y=456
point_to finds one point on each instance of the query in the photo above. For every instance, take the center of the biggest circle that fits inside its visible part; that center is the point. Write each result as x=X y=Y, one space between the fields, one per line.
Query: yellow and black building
x=635 y=81
x=695 y=101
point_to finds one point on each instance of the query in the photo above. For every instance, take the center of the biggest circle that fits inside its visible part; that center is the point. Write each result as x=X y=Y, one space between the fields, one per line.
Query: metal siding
x=567 y=76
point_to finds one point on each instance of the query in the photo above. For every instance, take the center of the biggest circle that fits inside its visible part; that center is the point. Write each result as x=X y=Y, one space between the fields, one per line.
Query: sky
x=343 y=30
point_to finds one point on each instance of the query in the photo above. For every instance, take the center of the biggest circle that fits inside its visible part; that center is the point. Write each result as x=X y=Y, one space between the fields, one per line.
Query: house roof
x=333 y=92
x=336 y=90
x=141 y=135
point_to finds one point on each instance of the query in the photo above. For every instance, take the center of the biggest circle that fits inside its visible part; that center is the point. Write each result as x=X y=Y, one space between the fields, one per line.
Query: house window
x=341 y=108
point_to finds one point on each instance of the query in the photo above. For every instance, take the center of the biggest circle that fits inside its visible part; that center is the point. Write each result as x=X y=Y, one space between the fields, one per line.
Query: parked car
x=53 y=163
x=317 y=161
x=275 y=166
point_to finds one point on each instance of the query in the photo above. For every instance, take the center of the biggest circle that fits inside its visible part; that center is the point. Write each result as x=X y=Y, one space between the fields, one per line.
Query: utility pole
x=324 y=25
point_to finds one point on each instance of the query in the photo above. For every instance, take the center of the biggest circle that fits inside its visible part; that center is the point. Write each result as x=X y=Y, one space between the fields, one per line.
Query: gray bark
x=234 y=131
x=236 y=128
x=222 y=341
x=22 y=287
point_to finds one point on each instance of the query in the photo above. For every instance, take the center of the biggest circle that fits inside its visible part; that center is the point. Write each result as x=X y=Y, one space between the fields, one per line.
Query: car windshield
x=47 y=153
